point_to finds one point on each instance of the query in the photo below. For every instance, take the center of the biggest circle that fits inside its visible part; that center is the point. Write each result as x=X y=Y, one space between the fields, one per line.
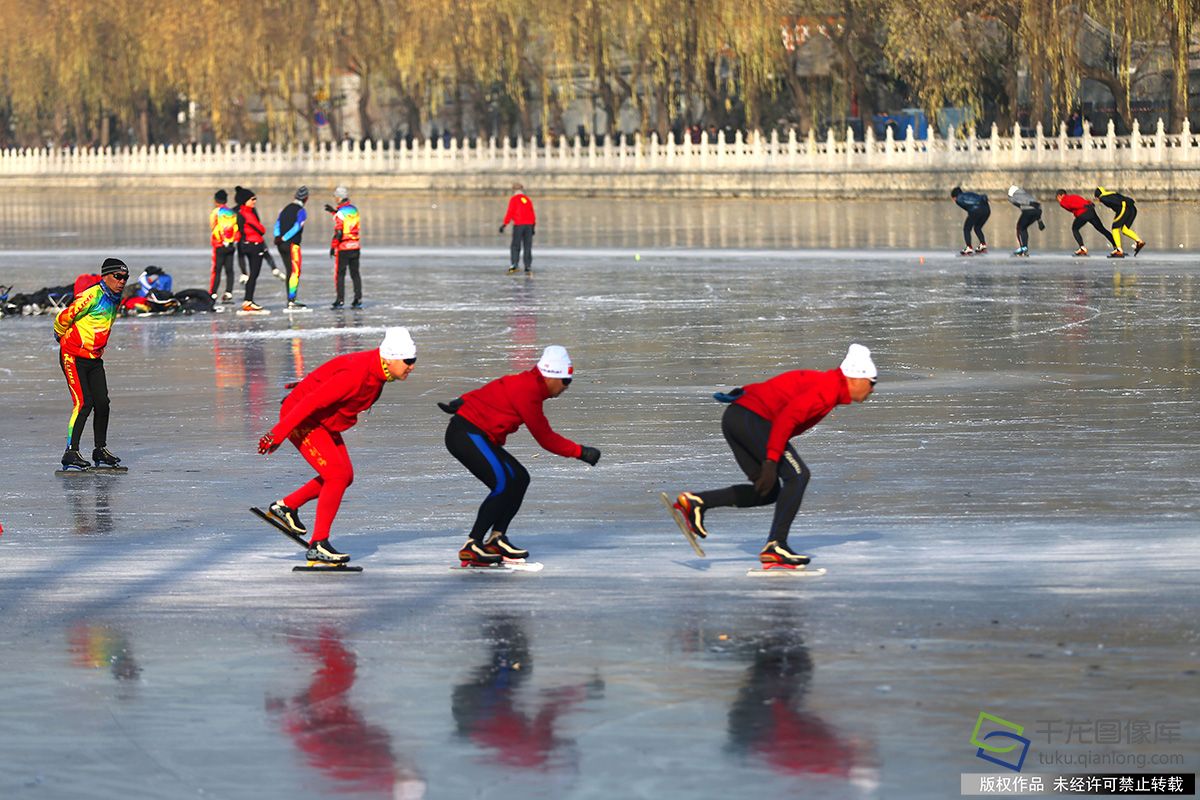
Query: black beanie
x=242 y=195
x=113 y=266
x=221 y=196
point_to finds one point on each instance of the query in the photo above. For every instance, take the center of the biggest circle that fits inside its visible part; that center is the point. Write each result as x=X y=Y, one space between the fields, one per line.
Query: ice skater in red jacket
x=524 y=222
x=1084 y=212
x=482 y=421
x=314 y=414
x=758 y=424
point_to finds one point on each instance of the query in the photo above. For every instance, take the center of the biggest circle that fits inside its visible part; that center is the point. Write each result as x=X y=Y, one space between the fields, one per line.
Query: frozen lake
x=1009 y=526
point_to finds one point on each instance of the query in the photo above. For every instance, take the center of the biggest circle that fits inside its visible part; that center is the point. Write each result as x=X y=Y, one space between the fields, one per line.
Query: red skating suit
x=504 y=405
x=1075 y=204
x=520 y=210
x=333 y=395
x=793 y=402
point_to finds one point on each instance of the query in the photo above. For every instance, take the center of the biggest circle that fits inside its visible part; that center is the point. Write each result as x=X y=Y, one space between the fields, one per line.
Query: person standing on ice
x=1085 y=213
x=1031 y=212
x=524 y=222
x=344 y=248
x=314 y=414
x=289 y=230
x=482 y=421
x=81 y=330
x=224 y=229
x=757 y=425
x=978 y=210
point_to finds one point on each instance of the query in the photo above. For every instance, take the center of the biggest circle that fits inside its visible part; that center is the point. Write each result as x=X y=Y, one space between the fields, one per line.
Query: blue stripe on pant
x=496 y=468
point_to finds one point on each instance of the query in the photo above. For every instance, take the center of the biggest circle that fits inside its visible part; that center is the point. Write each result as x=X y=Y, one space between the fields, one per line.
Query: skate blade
x=244 y=313
x=776 y=570
x=74 y=471
x=523 y=566
x=297 y=310
x=98 y=468
x=326 y=566
x=679 y=520
x=489 y=569
x=279 y=526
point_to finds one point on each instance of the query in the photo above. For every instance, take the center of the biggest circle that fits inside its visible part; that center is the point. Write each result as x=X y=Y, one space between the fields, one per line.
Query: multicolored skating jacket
x=345 y=227
x=84 y=325
x=224 y=224
x=504 y=405
x=793 y=402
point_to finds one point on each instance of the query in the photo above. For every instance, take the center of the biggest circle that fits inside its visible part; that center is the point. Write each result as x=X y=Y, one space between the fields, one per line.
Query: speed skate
x=310 y=565
x=679 y=520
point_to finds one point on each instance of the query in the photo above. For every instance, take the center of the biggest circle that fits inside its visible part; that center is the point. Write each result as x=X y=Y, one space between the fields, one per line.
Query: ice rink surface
x=1009 y=525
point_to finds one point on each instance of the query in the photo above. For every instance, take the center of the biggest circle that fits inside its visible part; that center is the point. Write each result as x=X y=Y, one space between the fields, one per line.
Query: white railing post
x=1110 y=141
x=830 y=147
x=1135 y=143
x=1185 y=142
x=1160 y=141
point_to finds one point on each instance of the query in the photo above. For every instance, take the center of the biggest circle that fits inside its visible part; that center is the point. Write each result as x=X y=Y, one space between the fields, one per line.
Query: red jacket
x=1075 y=204
x=252 y=227
x=794 y=402
x=504 y=405
x=520 y=210
x=334 y=394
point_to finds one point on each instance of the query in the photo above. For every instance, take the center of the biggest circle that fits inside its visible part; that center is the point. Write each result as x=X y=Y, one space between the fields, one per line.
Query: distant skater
x=1085 y=214
x=483 y=419
x=224 y=228
x=1031 y=212
x=253 y=246
x=524 y=222
x=1124 y=211
x=313 y=416
x=345 y=247
x=289 y=230
x=757 y=425
x=978 y=210
x=81 y=330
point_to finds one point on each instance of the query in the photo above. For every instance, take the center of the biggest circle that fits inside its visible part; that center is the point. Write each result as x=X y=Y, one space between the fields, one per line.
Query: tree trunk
x=1180 y=25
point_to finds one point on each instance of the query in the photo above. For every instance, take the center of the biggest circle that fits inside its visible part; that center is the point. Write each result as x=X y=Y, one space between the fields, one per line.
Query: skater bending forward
x=758 y=424
x=482 y=421
x=314 y=414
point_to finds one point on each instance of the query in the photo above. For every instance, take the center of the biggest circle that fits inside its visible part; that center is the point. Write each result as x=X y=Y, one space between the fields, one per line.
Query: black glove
x=767 y=478
x=452 y=407
x=533 y=230
x=1041 y=225
x=330 y=209
x=589 y=454
x=57 y=338
x=332 y=252
x=501 y=229
x=278 y=241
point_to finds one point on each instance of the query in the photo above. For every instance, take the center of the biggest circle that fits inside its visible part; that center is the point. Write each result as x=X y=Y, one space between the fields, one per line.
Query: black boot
x=103 y=458
x=72 y=460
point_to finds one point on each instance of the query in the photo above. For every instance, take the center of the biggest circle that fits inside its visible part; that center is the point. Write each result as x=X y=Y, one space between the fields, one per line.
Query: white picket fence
x=754 y=152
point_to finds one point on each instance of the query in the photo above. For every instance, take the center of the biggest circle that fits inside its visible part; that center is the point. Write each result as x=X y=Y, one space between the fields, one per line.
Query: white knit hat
x=397 y=344
x=341 y=193
x=555 y=362
x=1013 y=190
x=858 y=363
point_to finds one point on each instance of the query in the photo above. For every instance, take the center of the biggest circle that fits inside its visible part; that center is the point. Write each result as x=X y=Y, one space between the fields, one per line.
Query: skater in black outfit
x=978 y=210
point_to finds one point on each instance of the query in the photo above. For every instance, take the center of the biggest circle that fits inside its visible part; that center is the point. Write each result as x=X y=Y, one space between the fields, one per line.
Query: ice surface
x=1009 y=525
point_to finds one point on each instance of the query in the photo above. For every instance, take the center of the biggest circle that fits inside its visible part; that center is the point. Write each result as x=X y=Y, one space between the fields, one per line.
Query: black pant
x=522 y=238
x=747 y=434
x=348 y=259
x=253 y=253
x=1126 y=219
x=496 y=467
x=222 y=261
x=1090 y=217
x=89 y=393
x=1027 y=218
x=975 y=220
